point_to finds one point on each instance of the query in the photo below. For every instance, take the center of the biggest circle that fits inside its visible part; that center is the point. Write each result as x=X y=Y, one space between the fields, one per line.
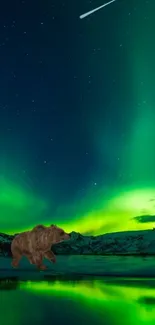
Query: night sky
x=77 y=115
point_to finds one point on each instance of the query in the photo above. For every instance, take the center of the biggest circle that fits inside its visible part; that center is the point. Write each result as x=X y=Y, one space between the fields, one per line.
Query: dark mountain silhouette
x=140 y=242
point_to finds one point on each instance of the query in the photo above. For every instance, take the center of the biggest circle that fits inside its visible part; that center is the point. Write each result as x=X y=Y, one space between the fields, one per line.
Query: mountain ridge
x=133 y=242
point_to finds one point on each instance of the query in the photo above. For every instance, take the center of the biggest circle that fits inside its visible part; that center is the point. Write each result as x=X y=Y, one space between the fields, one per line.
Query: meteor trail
x=96 y=9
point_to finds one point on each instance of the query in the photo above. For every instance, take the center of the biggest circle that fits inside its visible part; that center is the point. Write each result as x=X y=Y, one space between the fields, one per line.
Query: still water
x=94 y=301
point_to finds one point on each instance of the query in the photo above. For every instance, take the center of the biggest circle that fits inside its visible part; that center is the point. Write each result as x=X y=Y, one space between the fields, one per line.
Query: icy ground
x=124 y=266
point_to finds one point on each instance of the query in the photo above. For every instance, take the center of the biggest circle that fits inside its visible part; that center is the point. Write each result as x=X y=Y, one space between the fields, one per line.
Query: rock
x=119 y=243
x=5 y=244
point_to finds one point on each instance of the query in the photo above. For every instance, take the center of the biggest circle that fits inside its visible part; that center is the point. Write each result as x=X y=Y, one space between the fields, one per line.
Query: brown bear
x=36 y=244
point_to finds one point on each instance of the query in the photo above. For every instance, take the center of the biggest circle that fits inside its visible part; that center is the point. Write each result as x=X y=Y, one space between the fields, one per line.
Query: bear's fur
x=36 y=244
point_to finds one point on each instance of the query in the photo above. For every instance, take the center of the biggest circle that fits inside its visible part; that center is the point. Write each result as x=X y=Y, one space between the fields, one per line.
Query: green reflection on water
x=102 y=301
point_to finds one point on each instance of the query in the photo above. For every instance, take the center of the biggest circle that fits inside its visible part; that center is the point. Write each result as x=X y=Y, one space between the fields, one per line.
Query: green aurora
x=20 y=210
x=114 y=209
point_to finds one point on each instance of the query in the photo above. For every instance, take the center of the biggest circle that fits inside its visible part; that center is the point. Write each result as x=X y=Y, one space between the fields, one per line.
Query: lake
x=108 y=301
x=92 y=290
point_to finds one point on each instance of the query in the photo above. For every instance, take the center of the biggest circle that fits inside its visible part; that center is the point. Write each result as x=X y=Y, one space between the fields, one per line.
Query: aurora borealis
x=77 y=115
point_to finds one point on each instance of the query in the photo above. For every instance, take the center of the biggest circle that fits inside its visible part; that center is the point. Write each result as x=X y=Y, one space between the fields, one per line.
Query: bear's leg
x=37 y=260
x=30 y=258
x=17 y=255
x=50 y=256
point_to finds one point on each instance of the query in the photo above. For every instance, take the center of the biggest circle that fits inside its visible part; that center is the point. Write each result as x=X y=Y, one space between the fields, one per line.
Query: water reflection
x=107 y=302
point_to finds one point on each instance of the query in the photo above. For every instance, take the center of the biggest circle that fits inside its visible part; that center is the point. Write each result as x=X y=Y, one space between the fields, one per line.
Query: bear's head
x=52 y=234
x=59 y=234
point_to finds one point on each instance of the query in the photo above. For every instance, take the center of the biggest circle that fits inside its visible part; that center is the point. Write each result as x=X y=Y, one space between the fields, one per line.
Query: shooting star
x=96 y=9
